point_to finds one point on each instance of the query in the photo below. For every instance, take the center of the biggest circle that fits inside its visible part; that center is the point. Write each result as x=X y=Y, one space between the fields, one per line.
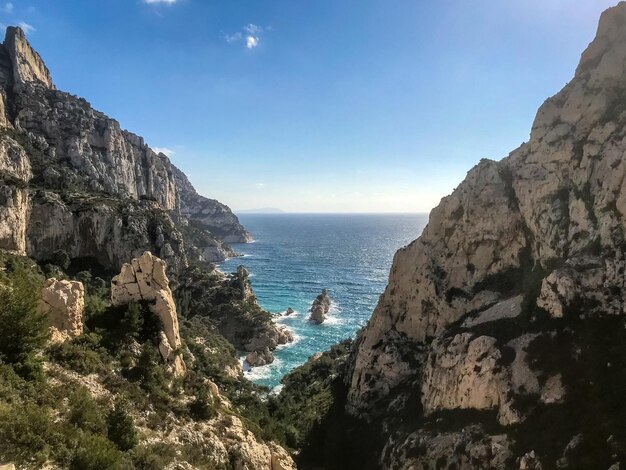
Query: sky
x=316 y=106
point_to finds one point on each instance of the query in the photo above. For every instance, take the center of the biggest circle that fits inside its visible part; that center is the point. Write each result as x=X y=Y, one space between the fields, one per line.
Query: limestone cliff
x=54 y=142
x=491 y=310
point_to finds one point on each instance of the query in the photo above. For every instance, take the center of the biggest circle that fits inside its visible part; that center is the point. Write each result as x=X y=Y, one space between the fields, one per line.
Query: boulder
x=64 y=304
x=260 y=358
x=320 y=307
x=290 y=311
x=144 y=279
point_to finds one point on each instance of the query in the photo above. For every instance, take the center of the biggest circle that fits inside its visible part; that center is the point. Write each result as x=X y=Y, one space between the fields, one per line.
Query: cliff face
x=54 y=142
x=490 y=309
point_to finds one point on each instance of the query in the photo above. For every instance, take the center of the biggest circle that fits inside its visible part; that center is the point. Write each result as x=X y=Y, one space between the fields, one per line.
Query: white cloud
x=230 y=38
x=165 y=150
x=27 y=28
x=8 y=8
x=156 y=2
x=252 y=42
x=250 y=35
x=252 y=29
x=260 y=185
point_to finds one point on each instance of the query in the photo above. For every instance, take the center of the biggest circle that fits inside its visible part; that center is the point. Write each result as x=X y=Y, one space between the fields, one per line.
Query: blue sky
x=316 y=106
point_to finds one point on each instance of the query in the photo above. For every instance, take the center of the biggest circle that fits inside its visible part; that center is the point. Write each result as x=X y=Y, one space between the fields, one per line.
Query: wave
x=259 y=373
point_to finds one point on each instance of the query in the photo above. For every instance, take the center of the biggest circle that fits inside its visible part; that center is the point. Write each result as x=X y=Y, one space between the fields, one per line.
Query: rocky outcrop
x=63 y=302
x=242 y=282
x=260 y=358
x=144 y=279
x=270 y=337
x=27 y=65
x=320 y=307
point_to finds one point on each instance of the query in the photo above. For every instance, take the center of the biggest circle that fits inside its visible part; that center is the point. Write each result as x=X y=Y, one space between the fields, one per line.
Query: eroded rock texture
x=64 y=304
x=144 y=279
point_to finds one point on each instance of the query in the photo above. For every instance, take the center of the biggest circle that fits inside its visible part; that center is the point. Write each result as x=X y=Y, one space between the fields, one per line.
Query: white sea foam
x=283 y=317
x=276 y=390
x=333 y=320
x=258 y=373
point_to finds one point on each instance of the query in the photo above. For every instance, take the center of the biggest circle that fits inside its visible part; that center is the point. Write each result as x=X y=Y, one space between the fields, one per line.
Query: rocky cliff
x=58 y=155
x=495 y=343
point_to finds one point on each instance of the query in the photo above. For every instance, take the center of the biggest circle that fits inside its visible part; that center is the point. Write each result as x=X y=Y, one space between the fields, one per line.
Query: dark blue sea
x=295 y=256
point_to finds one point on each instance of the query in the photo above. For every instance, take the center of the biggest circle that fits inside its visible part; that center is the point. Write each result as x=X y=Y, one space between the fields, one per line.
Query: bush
x=24 y=330
x=97 y=453
x=84 y=412
x=121 y=427
x=82 y=354
x=202 y=408
x=154 y=457
x=26 y=432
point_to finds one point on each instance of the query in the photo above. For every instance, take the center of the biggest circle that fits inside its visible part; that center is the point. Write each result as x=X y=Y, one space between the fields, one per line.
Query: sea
x=295 y=256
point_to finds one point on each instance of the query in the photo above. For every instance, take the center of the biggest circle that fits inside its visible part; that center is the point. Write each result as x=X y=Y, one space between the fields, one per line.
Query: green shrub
x=24 y=330
x=154 y=457
x=26 y=433
x=97 y=453
x=83 y=355
x=121 y=427
x=202 y=407
x=84 y=412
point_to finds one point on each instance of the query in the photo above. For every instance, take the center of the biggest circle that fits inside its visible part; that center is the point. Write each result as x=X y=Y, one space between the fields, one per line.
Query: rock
x=8 y=466
x=13 y=218
x=64 y=304
x=529 y=461
x=260 y=358
x=290 y=311
x=27 y=64
x=144 y=279
x=509 y=308
x=270 y=337
x=320 y=307
x=242 y=282
x=465 y=371
x=470 y=448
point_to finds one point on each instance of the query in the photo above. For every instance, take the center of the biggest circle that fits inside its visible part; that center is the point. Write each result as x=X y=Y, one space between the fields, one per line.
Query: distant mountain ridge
x=73 y=180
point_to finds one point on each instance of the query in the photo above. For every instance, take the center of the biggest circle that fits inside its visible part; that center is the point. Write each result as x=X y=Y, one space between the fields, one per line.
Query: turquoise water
x=295 y=256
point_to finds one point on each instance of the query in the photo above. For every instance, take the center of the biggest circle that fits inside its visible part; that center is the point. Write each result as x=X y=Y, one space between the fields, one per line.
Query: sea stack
x=320 y=307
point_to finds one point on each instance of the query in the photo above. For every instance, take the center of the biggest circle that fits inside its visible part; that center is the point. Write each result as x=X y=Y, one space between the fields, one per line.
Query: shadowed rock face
x=521 y=251
x=56 y=142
